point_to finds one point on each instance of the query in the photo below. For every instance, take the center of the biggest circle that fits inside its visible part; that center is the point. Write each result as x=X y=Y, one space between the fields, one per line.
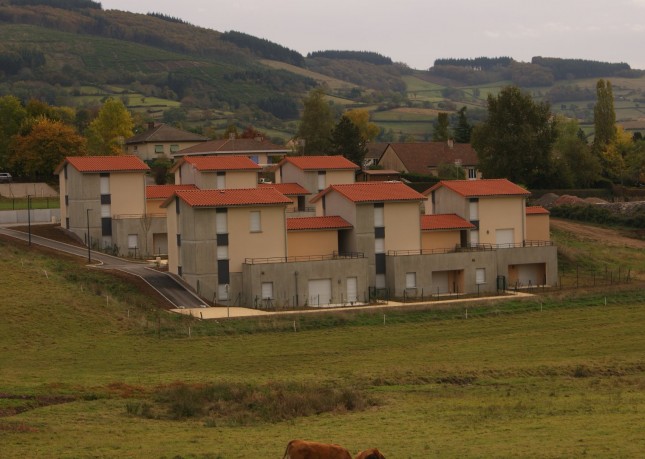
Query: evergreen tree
x=316 y=124
x=12 y=115
x=515 y=140
x=604 y=116
x=464 y=129
x=441 y=132
x=346 y=140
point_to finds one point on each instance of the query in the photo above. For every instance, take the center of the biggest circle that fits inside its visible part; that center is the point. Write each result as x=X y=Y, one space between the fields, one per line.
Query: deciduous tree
x=316 y=124
x=516 y=139
x=108 y=131
x=346 y=140
x=361 y=119
x=37 y=153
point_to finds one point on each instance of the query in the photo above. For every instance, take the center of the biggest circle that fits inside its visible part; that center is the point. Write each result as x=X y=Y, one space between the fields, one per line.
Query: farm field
x=88 y=364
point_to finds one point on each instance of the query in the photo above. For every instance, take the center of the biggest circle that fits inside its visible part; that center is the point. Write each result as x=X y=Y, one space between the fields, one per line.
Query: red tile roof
x=218 y=163
x=420 y=157
x=165 y=191
x=373 y=192
x=234 y=147
x=311 y=163
x=96 y=164
x=536 y=210
x=287 y=189
x=444 y=222
x=317 y=223
x=483 y=187
x=232 y=197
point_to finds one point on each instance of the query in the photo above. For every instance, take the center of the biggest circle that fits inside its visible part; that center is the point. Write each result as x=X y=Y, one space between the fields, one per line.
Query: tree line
x=264 y=48
x=364 y=56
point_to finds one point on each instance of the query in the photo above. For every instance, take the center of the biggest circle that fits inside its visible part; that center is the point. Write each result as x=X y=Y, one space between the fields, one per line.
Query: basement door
x=319 y=292
x=352 y=290
x=440 y=282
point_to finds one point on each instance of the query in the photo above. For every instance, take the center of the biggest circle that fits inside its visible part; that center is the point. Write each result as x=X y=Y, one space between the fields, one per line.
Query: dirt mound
x=568 y=199
x=546 y=200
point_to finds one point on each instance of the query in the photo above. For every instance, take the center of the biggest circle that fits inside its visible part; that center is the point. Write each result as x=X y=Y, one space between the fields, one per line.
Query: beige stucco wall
x=389 y=160
x=537 y=227
x=334 y=177
x=267 y=243
x=153 y=207
x=432 y=240
x=147 y=152
x=306 y=243
x=128 y=192
x=173 y=254
x=501 y=213
x=402 y=226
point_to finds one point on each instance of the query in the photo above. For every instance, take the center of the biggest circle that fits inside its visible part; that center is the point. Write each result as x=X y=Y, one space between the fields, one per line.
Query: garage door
x=505 y=236
x=440 y=283
x=319 y=292
x=530 y=274
x=352 y=290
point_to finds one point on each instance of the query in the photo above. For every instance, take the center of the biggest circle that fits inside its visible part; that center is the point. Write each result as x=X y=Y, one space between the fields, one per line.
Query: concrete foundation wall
x=16 y=217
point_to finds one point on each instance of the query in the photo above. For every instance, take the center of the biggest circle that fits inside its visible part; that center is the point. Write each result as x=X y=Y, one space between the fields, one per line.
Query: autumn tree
x=107 y=132
x=346 y=140
x=37 y=153
x=604 y=116
x=441 y=131
x=361 y=119
x=516 y=138
x=316 y=124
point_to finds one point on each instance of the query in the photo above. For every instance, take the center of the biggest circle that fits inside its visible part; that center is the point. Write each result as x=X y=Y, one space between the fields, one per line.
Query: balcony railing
x=125 y=216
x=332 y=256
x=470 y=248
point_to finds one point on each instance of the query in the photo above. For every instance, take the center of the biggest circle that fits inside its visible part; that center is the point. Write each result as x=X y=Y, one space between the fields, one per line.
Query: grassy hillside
x=91 y=368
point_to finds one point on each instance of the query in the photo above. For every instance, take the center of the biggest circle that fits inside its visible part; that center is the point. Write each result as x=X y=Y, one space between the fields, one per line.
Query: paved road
x=165 y=284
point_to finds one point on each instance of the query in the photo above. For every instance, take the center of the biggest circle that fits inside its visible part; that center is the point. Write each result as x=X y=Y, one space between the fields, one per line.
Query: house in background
x=424 y=158
x=216 y=172
x=315 y=173
x=161 y=141
x=259 y=150
x=103 y=202
x=378 y=175
x=374 y=152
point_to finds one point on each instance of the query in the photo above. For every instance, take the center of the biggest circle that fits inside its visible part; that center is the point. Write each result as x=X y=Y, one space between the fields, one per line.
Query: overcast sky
x=417 y=32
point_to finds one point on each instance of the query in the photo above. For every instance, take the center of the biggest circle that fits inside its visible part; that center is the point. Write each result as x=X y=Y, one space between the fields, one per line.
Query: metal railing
x=470 y=248
x=126 y=216
x=332 y=256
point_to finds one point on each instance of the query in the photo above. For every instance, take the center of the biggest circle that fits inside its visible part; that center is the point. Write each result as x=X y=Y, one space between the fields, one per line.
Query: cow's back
x=302 y=449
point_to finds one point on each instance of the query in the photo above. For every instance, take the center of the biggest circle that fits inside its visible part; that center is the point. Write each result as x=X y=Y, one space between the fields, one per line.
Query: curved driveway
x=175 y=293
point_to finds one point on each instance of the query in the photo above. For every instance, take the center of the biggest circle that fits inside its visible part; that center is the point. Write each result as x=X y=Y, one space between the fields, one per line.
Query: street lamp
x=89 y=252
x=29 y=216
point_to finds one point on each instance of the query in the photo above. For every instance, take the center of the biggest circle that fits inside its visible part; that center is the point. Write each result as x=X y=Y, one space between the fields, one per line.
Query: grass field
x=82 y=354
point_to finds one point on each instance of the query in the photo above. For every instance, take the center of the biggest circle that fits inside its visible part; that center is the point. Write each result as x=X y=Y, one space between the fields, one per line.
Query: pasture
x=91 y=368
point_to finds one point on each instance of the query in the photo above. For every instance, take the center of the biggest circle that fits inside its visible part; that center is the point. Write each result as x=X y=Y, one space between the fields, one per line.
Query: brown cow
x=371 y=453
x=301 y=449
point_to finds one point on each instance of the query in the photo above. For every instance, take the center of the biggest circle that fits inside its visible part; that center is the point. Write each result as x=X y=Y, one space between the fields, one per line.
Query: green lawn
x=36 y=203
x=558 y=376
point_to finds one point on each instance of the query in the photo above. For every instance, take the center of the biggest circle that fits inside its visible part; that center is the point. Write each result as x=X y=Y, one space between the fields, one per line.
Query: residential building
x=297 y=194
x=374 y=152
x=216 y=172
x=155 y=215
x=425 y=158
x=102 y=200
x=378 y=175
x=259 y=150
x=315 y=173
x=161 y=141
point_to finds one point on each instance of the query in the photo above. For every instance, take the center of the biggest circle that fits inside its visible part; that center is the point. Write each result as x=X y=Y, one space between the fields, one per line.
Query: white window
x=174 y=148
x=321 y=181
x=474 y=210
x=222 y=252
x=221 y=181
x=221 y=222
x=474 y=237
x=410 y=280
x=480 y=276
x=222 y=292
x=105 y=210
x=380 y=281
x=255 y=223
x=379 y=219
x=379 y=245
x=505 y=237
x=105 y=185
x=267 y=290
x=133 y=241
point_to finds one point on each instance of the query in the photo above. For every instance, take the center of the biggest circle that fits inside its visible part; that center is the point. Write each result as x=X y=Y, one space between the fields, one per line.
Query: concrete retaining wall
x=18 y=217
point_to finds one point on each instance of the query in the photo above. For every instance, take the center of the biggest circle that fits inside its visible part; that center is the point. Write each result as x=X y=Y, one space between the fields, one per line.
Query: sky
x=416 y=32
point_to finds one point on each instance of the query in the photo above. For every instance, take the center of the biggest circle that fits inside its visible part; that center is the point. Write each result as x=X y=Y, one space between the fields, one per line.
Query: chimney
x=451 y=143
x=231 y=136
